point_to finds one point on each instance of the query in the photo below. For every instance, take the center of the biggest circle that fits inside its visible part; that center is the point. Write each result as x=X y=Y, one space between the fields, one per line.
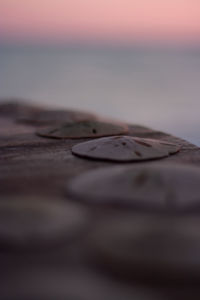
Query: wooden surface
x=33 y=167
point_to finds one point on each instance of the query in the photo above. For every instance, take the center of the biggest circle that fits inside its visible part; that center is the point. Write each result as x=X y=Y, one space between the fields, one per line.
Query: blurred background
x=135 y=60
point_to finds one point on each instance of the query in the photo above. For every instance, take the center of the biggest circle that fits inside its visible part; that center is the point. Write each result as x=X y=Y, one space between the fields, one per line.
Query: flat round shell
x=144 y=186
x=25 y=223
x=17 y=109
x=124 y=148
x=49 y=117
x=84 y=129
x=149 y=246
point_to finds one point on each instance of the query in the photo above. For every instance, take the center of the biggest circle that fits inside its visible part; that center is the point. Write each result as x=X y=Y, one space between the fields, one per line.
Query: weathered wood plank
x=32 y=166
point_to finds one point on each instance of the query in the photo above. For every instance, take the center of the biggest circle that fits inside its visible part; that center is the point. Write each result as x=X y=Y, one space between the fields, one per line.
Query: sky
x=103 y=20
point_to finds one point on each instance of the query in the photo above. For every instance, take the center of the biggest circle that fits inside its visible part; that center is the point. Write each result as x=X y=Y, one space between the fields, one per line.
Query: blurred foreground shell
x=16 y=108
x=149 y=247
x=84 y=129
x=63 y=283
x=124 y=148
x=144 y=186
x=37 y=222
x=49 y=117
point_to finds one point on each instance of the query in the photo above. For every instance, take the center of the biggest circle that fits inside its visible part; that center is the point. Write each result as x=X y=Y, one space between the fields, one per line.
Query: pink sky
x=100 y=20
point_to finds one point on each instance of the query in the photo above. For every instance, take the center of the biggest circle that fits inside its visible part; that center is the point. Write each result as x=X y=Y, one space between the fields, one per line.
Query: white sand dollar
x=37 y=222
x=124 y=148
x=84 y=129
x=149 y=246
x=142 y=186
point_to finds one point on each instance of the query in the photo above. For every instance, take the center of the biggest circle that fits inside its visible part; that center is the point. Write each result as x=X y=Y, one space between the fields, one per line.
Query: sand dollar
x=149 y=246
x=153 y=186
x=67 y=283
x=17 y=108
x=49 y=117
x=84 y=129
x=124 y=148
x=37 y=222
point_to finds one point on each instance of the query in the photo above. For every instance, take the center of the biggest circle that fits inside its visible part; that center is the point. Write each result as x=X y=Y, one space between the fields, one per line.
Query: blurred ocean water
x=159 y=88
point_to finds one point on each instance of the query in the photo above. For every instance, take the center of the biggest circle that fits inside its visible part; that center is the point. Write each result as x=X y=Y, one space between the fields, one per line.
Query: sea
x=158 y=87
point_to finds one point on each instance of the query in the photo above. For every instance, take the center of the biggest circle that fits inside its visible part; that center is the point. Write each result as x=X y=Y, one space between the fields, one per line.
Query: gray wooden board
x=31 y=165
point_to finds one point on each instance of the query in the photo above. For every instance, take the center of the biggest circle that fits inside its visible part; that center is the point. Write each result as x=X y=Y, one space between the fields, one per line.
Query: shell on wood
x=124 y=149
x=28 y=114
x=154 y=247
x=84 y=129
x=49 y=117
x=16 y=108
x=152 y=186
x=62 y=282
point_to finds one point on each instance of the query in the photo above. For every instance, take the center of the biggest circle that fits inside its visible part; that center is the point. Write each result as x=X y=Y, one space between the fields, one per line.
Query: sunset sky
x=108 y=20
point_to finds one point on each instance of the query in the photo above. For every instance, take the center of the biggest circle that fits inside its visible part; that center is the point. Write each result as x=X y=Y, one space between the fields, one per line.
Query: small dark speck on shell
x=141 y=179
x=138 y=153
x=143 y=143
x=93 y=148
